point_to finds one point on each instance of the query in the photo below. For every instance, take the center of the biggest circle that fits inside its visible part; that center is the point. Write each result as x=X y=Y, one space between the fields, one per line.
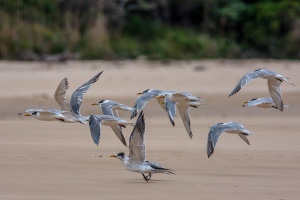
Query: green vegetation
x=191 y=29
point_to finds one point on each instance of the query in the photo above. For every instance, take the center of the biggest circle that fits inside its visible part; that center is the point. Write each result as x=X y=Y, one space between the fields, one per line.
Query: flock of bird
x=170 y=101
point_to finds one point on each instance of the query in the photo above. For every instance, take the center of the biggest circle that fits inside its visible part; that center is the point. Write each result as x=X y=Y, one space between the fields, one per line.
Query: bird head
x=120 y=155
x=245 y=103
x=98 y=103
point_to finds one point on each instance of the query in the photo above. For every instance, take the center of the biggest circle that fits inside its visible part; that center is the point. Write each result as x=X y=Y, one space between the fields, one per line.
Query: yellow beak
x=93 y=104
x=139 y=93
x=27 y=114
x=245 y=103
x=113 y=156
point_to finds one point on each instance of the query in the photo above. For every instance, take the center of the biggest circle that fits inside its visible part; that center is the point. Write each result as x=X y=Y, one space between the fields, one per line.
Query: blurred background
x=60 y=30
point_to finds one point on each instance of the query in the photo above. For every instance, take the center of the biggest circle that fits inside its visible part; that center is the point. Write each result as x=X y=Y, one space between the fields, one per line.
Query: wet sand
x=53 y=160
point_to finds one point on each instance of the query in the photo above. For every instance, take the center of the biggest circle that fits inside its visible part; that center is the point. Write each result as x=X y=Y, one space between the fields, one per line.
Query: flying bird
x=70 y=111
x=136 y=161
x=142 y=100
x=229 y=127
x=110 y=107
x=183 y=101
x=95 y=122
x=45 y=115
x=274 y=82
x=265 y=102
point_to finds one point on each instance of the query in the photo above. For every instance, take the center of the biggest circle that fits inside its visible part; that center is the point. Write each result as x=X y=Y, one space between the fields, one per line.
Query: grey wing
x=275 y=92
x=118 y=132
x=141 y=102
x=107 y=109
x=137 y=152
x=60 y=95
x=184 y=112
x=246 y=79
x=95 y=128
x=243 y=132
x=188 y=96
x=213 y=137
x=171 y=110
x=77 y=96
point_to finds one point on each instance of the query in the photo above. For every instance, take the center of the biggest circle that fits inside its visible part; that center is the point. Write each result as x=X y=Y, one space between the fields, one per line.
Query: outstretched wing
x=275 y=92
x=137 y=152
x=184 y=111
x=141 y=102
x=95 y=128
x=60 y=95
x=213 y=137
x=118 y=132
x=171 y=110
x=248 y=78
x=77 y=96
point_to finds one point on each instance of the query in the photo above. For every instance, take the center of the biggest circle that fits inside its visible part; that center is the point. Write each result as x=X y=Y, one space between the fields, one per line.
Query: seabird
x=136 y=161
x=265 y=102
x=274 y=82
x=229 y=127
x=110 y=107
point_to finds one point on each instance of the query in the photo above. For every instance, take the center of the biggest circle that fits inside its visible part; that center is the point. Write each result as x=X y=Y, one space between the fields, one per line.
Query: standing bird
x=274 y=82
x=110 y=107
x=183 y=101
x=114 y=122
x=229 y=127
x=70 y=112
x=136 y=161
x=265 y=102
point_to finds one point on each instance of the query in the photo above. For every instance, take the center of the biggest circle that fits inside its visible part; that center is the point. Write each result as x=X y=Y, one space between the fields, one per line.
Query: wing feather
x=137 y=152
x=275 y=92
x=184 y=112
x=77 y=96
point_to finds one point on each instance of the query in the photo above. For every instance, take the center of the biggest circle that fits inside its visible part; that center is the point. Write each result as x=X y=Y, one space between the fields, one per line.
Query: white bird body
x=265 y=102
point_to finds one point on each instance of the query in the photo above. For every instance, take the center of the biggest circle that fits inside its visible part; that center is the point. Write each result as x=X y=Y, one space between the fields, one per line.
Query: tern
x=274 y=82
x=110 y=107
x=229 y=127
x=70 y=111
x=265 y=102
x=142 y=100
x=183 y=101
x=136 y=161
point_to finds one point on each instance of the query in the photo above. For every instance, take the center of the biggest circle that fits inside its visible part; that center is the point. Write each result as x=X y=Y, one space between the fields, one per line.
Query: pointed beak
x=245 y=103
x=113 y=156
x=139 y=93
x=27 y=114
x=93 y=104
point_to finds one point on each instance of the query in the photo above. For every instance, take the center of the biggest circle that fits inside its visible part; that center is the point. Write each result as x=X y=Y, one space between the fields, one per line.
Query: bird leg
x=145 y=177
x=148 y=177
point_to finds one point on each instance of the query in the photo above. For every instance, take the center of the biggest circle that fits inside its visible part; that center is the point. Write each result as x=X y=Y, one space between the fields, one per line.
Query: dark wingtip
x=191 y=135
x=133 y=114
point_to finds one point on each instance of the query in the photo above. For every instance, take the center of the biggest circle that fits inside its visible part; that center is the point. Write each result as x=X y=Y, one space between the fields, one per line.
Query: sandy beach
x=53 y=160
